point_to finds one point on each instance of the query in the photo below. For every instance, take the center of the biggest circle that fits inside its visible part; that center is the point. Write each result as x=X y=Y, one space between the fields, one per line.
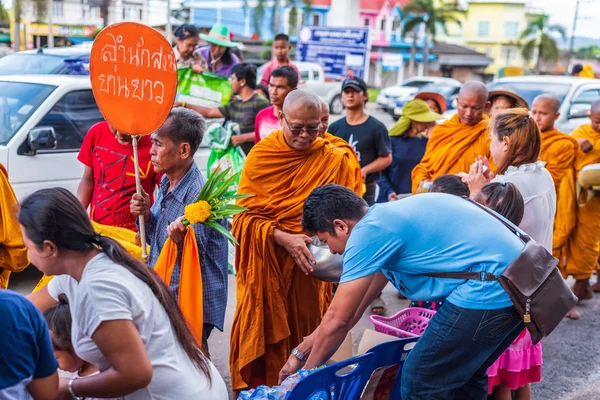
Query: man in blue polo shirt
x=28 y=368
x=401 y=242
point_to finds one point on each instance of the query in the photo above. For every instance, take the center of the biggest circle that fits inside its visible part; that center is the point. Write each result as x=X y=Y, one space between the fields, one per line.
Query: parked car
x=387 y=98
x=447 y=89
x=61 y=61
x=576 y=95
x=312 y=79
x=43 y=120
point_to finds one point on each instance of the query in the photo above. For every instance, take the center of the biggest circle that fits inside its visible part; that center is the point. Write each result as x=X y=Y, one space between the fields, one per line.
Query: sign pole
x=138 y=186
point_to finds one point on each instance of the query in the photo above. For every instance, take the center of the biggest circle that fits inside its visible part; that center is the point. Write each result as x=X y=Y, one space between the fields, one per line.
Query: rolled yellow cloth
x=415 y=110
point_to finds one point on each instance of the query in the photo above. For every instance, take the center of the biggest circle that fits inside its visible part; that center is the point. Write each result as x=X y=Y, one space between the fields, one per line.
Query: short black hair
x=451 y=184
x=184 y=126
x=286 y=72
x=186 y=31
x=577 y=68
x=264 y=89
x=328 y=203
x=247 y=72
x=281 y=36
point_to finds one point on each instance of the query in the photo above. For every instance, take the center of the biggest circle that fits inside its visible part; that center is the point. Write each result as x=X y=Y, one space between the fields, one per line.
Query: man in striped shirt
x=242 y=109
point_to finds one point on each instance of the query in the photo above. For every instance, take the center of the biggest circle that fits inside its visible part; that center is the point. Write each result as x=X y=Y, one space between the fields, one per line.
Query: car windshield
x=415 y=84
x=530 y=90
x=17 y=64
x=444 y=90
x=18 y=101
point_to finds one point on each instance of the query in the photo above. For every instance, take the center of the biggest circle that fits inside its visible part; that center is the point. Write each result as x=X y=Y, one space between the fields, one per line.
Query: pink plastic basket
x=408 y=323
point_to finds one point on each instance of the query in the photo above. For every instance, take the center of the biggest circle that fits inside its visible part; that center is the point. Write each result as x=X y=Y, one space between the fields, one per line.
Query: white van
x=43 y=120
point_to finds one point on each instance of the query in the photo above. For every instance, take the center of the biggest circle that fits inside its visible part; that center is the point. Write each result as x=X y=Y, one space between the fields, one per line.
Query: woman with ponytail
x=125 y=321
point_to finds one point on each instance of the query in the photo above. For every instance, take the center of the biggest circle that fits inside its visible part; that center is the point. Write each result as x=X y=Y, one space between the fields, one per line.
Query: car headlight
x=398 y=111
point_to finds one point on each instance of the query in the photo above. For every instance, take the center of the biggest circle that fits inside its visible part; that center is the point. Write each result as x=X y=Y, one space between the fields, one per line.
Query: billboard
x=335 y=49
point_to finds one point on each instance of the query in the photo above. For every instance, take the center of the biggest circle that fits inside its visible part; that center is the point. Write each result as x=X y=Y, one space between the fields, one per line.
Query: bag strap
x=523 y=236
x=477 y=276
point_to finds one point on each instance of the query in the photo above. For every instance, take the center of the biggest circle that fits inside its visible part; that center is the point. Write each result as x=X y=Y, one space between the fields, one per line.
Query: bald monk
x=337 y=141
x=454 y=144
x=580 y=228
x=278 y=302
x=13 y=254
x=558 y=150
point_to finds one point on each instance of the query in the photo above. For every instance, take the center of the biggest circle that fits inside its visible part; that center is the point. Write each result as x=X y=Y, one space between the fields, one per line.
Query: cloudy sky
x=563 y=11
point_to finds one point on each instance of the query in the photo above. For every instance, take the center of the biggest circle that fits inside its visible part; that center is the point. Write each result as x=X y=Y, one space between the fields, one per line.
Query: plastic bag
x=205 y=89
x=222 y=154
x=280 y=392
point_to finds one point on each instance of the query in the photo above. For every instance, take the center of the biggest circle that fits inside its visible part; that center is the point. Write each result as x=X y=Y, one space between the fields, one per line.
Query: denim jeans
x=450 y=360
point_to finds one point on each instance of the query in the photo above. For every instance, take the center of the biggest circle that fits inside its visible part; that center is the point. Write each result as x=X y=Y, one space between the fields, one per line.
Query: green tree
x=588 y=53
x=539 y=40
x=41 y=7
x=4 y=18
x=435 y=19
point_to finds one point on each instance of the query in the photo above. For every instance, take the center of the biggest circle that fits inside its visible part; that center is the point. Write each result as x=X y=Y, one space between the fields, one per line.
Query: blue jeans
x=451 y=358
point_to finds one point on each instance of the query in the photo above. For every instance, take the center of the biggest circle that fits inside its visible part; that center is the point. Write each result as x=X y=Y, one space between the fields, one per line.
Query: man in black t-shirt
x=366 y=134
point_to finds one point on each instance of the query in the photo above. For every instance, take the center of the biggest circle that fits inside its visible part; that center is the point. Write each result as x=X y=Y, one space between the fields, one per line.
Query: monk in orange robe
x=579 y=230
x=337 y=141
x=453 y=145
x=278 y=302
x=13 y=254
x=558 y=150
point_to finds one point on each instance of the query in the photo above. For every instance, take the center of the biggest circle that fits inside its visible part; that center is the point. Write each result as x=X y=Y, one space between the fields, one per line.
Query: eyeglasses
x=309 y=129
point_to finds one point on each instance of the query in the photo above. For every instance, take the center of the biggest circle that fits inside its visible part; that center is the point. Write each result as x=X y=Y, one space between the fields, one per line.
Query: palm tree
x=539 y=40
x=434 y=18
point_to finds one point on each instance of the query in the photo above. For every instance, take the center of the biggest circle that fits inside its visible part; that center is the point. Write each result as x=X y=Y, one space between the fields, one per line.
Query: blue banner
x=336 y=49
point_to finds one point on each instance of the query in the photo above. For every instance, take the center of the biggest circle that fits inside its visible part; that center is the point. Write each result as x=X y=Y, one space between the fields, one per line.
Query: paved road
x=571 y=354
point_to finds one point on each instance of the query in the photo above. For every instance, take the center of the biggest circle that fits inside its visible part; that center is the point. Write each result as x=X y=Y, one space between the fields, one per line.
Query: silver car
x=576 y=95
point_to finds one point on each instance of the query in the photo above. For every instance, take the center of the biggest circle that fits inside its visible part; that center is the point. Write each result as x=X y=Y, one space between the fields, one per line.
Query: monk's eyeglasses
x=310 y=130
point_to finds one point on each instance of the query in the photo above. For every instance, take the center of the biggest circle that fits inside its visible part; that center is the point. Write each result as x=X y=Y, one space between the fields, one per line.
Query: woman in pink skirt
x=515 y=147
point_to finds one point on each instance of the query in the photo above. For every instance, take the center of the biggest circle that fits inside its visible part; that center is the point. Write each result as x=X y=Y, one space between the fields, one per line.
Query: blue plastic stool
x=390 y=354
x=330 y=383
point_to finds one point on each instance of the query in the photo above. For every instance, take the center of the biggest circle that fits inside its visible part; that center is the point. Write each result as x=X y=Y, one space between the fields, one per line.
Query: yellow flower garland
x=197 y=212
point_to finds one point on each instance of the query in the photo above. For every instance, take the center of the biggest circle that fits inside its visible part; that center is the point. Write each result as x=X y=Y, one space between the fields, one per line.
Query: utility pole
x=572 y=43
x=50 y=28
x=169 y=27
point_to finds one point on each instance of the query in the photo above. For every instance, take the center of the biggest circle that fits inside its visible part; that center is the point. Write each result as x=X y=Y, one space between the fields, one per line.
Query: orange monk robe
x=558 y=151
x=13 y=254
x=277 y=305
x=578 y=226
x=452 y=148
x=342 y=144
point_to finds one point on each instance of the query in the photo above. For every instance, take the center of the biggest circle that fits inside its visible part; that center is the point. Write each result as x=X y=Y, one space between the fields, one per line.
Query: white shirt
x=537 y=188
x=108 y=291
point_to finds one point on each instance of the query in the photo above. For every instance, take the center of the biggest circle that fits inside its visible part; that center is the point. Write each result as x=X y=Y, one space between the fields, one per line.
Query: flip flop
x=378 y=307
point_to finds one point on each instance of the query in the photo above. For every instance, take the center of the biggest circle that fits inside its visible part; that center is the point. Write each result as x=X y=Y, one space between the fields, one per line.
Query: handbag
x=532 y=281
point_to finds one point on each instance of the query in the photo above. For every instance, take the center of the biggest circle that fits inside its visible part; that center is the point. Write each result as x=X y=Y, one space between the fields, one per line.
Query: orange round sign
x=134 y=77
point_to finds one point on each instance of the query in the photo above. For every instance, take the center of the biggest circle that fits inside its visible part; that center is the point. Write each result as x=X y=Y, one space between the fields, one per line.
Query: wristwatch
x=299 y=355
x=71 y=392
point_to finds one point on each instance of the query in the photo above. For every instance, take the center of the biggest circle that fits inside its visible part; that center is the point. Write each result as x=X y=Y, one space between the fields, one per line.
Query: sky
x=562 y=12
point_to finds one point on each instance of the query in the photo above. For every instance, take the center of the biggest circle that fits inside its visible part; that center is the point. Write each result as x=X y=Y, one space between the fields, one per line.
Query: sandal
x=378 y=307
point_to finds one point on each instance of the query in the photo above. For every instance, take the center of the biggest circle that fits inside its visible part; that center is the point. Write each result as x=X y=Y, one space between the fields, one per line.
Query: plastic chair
x=390 y=354
x=333 y=383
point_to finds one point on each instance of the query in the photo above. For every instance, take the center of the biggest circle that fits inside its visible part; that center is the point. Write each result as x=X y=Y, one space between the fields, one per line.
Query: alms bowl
x=329 y=266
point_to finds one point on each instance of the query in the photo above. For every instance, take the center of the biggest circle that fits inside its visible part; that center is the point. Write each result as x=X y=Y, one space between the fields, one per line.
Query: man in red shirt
x=108 y=180
x=281 y=48
x=283 y=81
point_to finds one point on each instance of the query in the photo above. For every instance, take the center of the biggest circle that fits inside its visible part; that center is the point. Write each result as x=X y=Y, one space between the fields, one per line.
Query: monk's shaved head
x=472 y=103
x=595 y=107
x=324 y=105
x=301 y=99
x=549 y=99
x=301 y=119
x=473 y=87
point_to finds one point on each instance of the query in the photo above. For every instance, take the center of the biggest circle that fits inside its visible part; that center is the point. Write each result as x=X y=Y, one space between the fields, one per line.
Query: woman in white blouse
x=515 y=147
x=125 y=320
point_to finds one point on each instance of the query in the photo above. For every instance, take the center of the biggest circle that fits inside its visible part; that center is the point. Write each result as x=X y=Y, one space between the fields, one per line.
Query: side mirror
x=578 y=111
x=42 y=138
